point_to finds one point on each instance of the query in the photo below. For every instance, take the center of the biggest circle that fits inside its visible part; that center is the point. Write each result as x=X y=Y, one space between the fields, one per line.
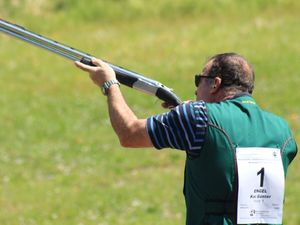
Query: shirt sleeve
x=183 y=128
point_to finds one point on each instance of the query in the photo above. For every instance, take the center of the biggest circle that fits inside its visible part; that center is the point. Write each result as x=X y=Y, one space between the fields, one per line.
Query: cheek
x=198 y=93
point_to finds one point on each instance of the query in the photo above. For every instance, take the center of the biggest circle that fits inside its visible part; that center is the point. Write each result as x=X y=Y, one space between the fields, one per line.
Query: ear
x=216 y=85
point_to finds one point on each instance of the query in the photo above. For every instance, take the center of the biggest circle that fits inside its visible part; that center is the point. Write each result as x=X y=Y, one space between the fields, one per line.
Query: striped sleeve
x=184 y=127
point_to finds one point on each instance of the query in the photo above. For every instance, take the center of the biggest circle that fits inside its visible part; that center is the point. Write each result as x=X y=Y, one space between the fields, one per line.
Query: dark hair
x=234 y=70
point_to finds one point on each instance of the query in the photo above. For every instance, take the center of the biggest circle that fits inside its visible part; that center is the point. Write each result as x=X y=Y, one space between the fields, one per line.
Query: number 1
x=262 y=175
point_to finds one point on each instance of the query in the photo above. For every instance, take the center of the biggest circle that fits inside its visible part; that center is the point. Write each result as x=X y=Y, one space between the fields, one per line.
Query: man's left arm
x=130 y=130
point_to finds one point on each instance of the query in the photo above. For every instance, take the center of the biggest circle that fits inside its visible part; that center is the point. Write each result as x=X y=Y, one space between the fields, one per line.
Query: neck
x=225 y=95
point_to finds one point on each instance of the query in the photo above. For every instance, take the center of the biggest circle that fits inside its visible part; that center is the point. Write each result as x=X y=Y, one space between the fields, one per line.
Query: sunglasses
x=198 y=78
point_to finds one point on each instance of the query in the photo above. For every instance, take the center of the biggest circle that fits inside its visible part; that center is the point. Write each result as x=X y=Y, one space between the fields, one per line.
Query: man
x=217 y=131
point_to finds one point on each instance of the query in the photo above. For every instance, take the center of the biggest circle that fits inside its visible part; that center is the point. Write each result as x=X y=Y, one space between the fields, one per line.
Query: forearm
x=130 y=130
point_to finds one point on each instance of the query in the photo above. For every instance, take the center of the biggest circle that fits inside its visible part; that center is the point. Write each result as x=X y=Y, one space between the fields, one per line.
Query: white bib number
x=261 y=185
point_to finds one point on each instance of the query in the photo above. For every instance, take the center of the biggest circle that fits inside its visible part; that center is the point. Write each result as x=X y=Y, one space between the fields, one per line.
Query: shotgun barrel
x=124 y=76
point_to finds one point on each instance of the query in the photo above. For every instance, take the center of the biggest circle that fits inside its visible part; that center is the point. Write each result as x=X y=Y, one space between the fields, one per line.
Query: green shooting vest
x=210 y=185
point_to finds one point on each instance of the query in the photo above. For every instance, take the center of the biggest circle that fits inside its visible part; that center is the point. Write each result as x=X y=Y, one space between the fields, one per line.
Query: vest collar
x=241 y=94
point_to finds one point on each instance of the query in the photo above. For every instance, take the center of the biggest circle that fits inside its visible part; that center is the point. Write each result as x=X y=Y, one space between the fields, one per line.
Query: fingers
x=88 y=68
x=187 y=101
x=96 y=62
x=100 y=63
x=166 y=105
x=84 y=67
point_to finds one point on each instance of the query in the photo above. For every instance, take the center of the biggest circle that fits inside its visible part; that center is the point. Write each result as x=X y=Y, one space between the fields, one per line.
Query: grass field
x=60 y=161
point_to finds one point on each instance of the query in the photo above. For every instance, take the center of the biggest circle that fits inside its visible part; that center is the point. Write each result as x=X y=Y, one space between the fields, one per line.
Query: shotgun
x=124 y=76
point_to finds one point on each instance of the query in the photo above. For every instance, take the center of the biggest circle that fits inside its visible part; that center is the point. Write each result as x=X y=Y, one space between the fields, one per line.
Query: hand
x=170 y=106
x=100 y=73
x=167 y=105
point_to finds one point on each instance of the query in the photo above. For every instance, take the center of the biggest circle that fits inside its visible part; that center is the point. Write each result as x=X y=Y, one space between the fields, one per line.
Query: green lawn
x=60 y=161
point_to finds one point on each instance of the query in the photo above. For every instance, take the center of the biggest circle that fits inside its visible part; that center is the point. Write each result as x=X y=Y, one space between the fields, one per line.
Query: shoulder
x=273 y=118
x=192 y=106
x=192 y=110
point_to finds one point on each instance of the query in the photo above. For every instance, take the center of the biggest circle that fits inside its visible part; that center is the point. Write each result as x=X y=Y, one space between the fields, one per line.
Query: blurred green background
x=60 y=161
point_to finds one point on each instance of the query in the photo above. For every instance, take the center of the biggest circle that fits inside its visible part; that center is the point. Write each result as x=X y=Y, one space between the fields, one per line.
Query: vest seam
x=209 y=123
x=285 y=144
x=223 y=131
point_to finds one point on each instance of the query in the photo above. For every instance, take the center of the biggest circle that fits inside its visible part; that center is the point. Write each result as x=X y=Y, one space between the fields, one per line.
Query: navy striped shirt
x=183 y=128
